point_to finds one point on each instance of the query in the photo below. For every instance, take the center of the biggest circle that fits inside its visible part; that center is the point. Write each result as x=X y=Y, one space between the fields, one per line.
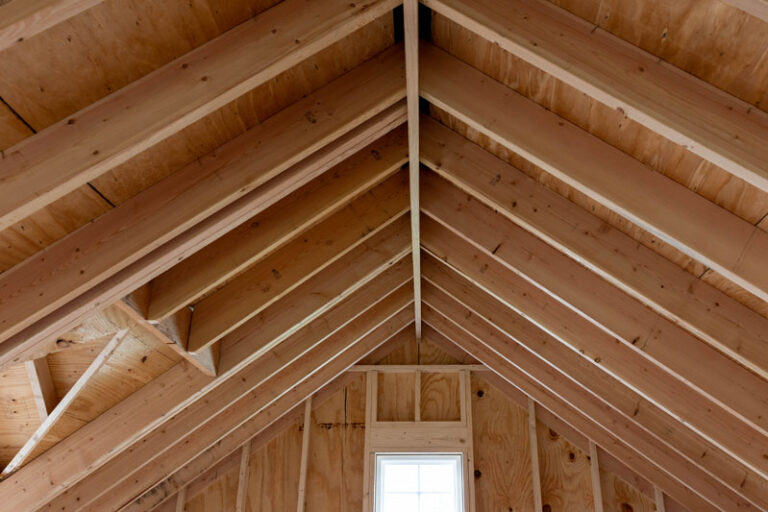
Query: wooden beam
x=727 y=454
x=262 y=234
x=21 y=20
x=411 y=38
x=669 y=210
x=232 y=401
x=718 y=127
x=758 y=8
x=155 y=216
x=594 y=471
x=649 y=277
x=58 y=412
x=278 y=395
x=591 y=425
x=162 y=258
x=292 y=417
x=42 y=386
x=67 y=155
x=366 y=221
x=242 y=478
x=533 y=443
x=301 y=501
x=181 y=500
x=659 y=500
x=619 y=315
x=330 y=293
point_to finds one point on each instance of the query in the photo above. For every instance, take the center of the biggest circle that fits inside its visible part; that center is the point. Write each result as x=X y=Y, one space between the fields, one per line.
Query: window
x=419 y=483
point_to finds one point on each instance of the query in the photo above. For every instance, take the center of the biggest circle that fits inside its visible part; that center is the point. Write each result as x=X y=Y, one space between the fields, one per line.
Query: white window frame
x=420 y=458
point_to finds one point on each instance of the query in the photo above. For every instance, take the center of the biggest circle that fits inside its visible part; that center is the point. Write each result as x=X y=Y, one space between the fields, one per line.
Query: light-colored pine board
x=621 y=316
x=667 y=209
x=69 y=154
x=726 y=131
x=43 y=390
x=668 y=432
x=658 y=283
x=251 y=241
x=594 y=471
x=411 y=37
x=22 y=20
x=191 y=192
x=367 y=218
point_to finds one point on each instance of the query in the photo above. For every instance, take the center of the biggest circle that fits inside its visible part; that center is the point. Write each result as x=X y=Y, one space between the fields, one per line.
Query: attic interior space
x=384 y=255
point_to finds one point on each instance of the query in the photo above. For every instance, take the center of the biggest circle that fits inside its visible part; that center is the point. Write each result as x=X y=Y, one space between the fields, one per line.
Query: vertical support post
x=43 y=389
x=659 y=495
x=242 y=480
x=465 y=382
x=417 y=397
x=594 y=466
x=538 y=502
x=371 y=390
x=181 y=499
x=411 y=36
x=304 y=455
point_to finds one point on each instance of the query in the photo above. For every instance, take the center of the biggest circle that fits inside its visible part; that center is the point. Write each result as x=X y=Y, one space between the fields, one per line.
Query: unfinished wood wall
x=503 y=477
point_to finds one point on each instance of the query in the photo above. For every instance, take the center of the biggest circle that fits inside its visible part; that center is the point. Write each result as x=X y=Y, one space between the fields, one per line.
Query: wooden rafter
x=669 y=443
x=67 y=155
x=21 y=20
x=206 y=269
x=286 y=389
x=580 y=420
x=652 y=279
x=619 y=315
x=366 y=222
x=612 y=375
x=720 y=128
x=337 y=297
x=665 y=208
x=231 y=396
x=366 y=122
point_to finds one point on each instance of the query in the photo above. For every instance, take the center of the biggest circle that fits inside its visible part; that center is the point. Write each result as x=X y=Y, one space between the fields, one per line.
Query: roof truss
x=277 y=262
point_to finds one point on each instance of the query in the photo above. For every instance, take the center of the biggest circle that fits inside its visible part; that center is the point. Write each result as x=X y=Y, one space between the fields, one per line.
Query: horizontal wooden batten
x=109 y=435
x=67 y=155
x=649 y=277
x=251 y=241
x=204 y=422
x=372 y=216
x=640 y=373
x=677 y=215
x=687 y=110
x=480 y=341
x=21 y=20
x=619 y=315
x=283 y=153
x=446 y=286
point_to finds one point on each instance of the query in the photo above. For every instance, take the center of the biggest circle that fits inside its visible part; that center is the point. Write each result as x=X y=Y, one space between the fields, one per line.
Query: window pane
x=437 y=503
x=437 y=477
x=401 y=478
x=418 y=483
x=400 y=503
